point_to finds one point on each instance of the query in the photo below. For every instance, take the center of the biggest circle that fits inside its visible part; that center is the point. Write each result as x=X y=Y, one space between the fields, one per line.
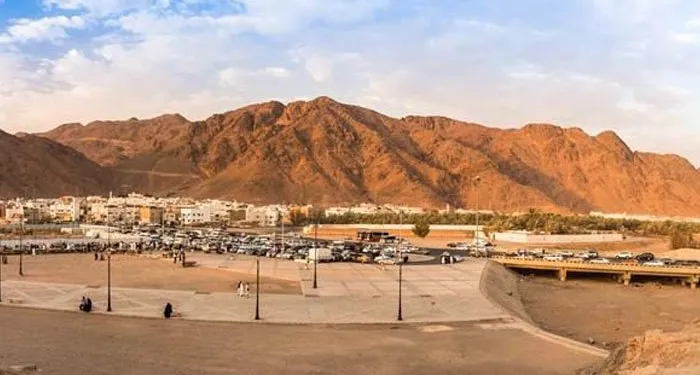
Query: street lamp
x=21 y=250
x=2 y=254
x=315 y=253
x=476 y=180
x=399 y=316
x=257 y=286
x=109 y=280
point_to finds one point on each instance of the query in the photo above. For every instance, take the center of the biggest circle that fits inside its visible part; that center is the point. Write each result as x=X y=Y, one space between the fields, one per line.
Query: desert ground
x=62 y=343
x=608 y=312
x=136 y=272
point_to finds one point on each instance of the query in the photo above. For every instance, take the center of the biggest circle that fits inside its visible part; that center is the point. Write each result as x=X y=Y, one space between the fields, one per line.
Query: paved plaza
x=346 y=293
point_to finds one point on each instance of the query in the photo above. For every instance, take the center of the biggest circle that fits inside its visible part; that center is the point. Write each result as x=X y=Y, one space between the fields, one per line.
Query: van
x=320 y=254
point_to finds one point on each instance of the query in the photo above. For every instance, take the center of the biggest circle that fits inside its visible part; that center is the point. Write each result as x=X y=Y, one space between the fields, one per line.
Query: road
x=64 y=343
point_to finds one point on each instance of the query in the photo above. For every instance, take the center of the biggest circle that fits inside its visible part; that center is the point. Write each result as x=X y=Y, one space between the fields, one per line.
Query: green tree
x=421 y=229
x=680 y=239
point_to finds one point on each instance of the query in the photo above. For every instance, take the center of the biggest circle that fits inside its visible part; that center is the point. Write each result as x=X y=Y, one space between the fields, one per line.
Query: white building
x=195 y=215
x=266 y=216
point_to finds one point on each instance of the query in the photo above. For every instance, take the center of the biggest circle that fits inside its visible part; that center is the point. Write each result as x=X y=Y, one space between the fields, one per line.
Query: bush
x=421 y=229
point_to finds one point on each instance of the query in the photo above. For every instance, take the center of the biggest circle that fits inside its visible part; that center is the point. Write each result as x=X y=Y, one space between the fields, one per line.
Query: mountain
x=36 y=166
x=326 y=152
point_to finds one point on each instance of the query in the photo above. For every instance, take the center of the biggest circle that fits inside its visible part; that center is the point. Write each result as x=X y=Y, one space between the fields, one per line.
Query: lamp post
x=315 y=253
x=257 y=286
x=2 y=254
x=399 y=315
x=21 y=250
x=476 y=181
x=109 y=280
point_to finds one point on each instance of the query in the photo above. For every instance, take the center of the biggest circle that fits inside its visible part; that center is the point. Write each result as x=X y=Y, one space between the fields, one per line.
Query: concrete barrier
x=522 y=237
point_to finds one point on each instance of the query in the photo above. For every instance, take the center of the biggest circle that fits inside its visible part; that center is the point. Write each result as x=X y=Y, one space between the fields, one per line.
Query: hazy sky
x=627 y=65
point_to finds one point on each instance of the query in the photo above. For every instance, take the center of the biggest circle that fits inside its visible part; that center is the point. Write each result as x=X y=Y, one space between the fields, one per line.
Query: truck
x=320 y=254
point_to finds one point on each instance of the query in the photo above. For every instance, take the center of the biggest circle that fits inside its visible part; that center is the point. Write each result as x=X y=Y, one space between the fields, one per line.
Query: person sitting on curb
x=168 y=311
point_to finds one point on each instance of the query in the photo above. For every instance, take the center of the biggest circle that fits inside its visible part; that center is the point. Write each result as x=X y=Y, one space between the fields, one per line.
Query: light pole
x=476 y=181
x=399 y=316
x=257 y=286
x=21 y=250
x=2 y=254
x=315 y=253
x=109 y=280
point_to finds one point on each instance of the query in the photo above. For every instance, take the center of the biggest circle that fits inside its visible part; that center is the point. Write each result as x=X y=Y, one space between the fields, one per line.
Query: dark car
x=645 y=257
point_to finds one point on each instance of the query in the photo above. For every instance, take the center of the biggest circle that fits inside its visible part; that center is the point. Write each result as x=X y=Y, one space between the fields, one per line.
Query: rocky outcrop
x=656 y=353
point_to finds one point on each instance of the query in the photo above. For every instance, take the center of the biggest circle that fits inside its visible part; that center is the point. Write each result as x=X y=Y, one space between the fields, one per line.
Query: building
x=236 y=215
x=195 y=215
x=19 y=213
x=151 y=215
x=65 y=209
x=171 y=215
x=265 y=216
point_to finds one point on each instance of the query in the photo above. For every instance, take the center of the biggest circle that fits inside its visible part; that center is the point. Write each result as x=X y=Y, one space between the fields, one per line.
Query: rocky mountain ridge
x=325 y=152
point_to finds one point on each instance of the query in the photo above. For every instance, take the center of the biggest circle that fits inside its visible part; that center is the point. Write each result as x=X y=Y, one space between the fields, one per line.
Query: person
x=86 y=305
x=247 y=289
x=239 y=289
x=168 y=311
x=95 y=255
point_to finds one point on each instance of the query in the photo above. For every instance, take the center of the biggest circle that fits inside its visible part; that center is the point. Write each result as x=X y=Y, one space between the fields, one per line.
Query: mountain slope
x=36 y=166
x=326 y=152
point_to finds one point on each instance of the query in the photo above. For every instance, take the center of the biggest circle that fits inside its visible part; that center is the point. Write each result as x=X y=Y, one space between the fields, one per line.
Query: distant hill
x=34 y=166
x=322 y=151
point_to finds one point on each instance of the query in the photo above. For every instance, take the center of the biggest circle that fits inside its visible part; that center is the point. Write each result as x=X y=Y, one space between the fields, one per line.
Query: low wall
x=458 y=232
x=557 y=238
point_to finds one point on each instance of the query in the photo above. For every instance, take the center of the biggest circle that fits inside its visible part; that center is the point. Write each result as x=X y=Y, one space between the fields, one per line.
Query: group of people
x=178 y=256
x=243 y=289
x=85 y=304
x=99 y=256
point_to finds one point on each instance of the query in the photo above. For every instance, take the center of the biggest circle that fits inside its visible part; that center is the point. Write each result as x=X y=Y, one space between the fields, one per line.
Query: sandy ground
x=62 y=343
x=136 y=272
x=604 y=310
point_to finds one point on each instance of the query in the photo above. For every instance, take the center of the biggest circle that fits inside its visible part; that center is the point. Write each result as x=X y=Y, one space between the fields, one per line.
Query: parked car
x=385 y=259
x=645 y=257
x=553 y=257
x=599 y=261
x=624 y=255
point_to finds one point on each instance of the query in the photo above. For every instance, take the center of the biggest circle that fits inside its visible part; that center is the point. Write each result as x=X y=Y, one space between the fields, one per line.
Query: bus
x=371 y=236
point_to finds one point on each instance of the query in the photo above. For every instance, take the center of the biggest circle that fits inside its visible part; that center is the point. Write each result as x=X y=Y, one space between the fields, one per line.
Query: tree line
x=681 y=233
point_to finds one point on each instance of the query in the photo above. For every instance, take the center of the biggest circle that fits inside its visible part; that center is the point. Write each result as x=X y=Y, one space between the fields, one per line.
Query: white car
x=625 y=255
x=654 y=263
x=383 y=259
x=599 y=261
x=553 y=257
